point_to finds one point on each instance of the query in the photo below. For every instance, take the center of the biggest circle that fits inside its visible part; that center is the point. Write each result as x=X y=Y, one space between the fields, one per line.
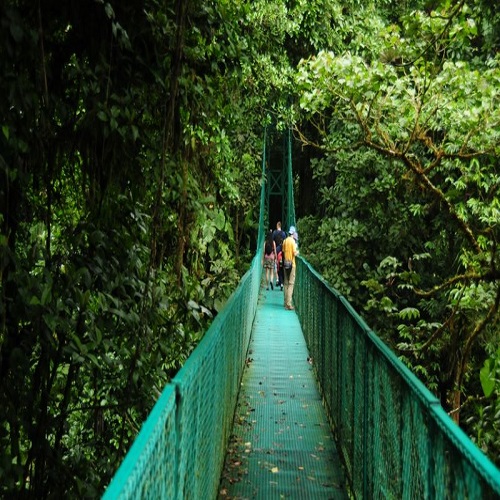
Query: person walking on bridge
x=290 y=251
x=269 y=259
x=279 y=236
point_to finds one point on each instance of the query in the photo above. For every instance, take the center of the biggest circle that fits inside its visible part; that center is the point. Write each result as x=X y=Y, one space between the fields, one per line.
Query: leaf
x=94 y=359
x=193 y=305
x=486 y=375
x=46 y=294
x=51 y=321
x=119 y=313
x=220 y=220
x=409 y=313
x=109 y=11
x=135 y=132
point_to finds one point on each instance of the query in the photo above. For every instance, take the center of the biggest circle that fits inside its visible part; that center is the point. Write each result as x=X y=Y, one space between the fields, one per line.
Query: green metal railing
x=394 y=437
x=289 y=175
x=179 y=452
x=392 y=434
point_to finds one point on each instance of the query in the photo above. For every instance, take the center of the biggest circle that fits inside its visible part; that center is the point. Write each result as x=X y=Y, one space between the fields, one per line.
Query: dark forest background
x=130 y=160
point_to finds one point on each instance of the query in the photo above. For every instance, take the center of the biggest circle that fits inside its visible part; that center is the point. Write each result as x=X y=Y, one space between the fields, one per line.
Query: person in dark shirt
x=278 y=237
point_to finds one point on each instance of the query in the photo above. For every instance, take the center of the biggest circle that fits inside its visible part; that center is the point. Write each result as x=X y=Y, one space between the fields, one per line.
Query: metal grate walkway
x=281 y=446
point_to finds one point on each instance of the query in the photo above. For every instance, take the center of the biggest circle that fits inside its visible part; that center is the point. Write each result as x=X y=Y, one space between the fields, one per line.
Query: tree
x=409 y=182
x=119 y=185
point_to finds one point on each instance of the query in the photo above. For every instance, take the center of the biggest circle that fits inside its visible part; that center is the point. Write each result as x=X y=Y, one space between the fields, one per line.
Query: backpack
x=288 y=247
x=278 y=237
x=268 y=248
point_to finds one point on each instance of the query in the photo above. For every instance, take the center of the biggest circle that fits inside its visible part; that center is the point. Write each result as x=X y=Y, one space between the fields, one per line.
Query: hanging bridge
x=298 y=404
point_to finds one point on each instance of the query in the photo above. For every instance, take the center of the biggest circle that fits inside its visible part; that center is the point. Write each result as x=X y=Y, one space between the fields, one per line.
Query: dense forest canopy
x=409 y=127
x=130 y=146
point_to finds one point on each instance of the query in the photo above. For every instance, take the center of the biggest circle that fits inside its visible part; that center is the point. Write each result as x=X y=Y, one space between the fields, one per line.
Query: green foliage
x=406 y=225
x=484 y=420
x=489 y=376
x=129 y=170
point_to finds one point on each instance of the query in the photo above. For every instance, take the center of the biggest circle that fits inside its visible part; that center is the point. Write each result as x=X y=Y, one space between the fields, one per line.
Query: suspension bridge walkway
x=281 y=445
x=304 y=404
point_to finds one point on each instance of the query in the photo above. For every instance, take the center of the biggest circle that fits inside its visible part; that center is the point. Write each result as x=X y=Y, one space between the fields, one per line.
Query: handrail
x=179 y=452
x=395 y=439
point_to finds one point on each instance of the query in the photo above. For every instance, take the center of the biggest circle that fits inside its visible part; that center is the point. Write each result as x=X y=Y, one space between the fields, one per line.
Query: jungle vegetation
x=130 y=144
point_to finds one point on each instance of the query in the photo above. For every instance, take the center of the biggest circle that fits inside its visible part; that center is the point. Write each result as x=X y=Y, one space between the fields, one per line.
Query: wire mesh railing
x=394 y=437
x=179 y=452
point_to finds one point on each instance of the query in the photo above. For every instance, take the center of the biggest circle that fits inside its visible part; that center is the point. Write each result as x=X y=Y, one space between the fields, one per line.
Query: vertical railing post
x=291 y=202
x=365 y=421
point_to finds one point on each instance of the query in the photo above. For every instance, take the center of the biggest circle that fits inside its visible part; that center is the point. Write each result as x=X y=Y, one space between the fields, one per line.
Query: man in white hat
x=290 y=251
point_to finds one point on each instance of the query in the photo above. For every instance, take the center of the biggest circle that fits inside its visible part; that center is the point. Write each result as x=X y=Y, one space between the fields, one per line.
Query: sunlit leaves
x=423 y=96
x=490 y=375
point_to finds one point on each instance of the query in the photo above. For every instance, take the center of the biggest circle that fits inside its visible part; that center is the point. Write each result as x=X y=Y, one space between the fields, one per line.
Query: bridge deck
x=281 y=446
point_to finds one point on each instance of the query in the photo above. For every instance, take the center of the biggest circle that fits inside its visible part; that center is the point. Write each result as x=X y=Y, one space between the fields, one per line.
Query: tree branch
x=491 y=275
x=492 y=312
x=414 y=166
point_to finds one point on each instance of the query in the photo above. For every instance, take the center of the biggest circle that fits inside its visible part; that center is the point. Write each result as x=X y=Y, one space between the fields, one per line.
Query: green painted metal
x=179 y=452
x=290 y=201
x=282 y=445
x=394 y=437
x=280 y=179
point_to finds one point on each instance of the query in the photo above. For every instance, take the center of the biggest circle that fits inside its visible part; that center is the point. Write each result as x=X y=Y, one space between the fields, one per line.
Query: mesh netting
x=180 y=450
x=393 y=435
